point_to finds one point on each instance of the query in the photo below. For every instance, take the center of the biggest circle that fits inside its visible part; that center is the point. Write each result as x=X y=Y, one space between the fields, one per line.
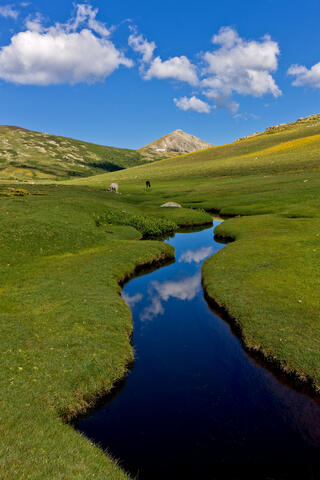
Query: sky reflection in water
x=195 y=405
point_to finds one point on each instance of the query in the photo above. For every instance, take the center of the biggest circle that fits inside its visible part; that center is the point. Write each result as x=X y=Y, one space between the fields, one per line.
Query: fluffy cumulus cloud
x=78 y=51
x=193 y=103
x=304 y=76
x=176 y=68
x=7 y=11
x=235 y=65
x=81 y=50
x=239 y=66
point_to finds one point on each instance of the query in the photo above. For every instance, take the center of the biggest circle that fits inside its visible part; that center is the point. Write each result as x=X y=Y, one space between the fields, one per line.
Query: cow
x=148 y=184
x=114 y=187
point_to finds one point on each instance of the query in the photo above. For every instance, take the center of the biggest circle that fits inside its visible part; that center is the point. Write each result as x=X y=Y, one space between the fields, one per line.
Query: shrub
x=148 y=226
x=14 y=192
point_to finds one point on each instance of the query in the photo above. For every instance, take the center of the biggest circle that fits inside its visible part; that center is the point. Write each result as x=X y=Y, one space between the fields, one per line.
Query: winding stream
x=195 y=405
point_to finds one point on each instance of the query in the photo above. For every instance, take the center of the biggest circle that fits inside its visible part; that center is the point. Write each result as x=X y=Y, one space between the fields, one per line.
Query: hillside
x=29 y=155
x=293 y=147
x=175 y=143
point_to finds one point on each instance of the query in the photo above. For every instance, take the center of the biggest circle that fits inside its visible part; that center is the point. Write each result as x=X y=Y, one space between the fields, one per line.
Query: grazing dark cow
x=148 y=184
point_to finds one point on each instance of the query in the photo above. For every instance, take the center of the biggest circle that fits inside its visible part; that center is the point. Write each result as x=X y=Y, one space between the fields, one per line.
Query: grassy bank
x=268 y=282
x=65 y=330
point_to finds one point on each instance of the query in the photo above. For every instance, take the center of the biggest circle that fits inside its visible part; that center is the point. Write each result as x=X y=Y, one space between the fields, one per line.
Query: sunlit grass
x=65 y=331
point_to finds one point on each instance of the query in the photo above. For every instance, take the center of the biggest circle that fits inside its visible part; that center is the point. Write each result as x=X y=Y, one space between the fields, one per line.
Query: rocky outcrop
x=171 y=204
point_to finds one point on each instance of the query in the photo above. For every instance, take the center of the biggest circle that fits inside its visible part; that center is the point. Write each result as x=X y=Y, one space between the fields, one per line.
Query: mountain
x=292 y=148
x=175 y=143
x=29 y=155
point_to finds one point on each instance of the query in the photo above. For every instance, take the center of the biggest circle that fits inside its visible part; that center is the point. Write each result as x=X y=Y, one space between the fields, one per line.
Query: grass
x=64 y=328
x=292 y=150
x=148 y=226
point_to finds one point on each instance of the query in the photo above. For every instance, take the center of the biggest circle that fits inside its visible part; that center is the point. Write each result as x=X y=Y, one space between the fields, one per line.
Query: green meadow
x=65 y=330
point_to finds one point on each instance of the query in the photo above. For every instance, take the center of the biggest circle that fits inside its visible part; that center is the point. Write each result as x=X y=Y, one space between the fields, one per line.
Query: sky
x=125 y=73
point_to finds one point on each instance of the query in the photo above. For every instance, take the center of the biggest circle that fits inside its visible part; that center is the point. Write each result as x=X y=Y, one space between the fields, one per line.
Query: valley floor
x=65 y=330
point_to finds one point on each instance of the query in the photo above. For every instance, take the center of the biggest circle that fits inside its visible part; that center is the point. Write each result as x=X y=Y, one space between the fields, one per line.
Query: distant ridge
x=175 y=143
x=29 y=155
x=282 y=126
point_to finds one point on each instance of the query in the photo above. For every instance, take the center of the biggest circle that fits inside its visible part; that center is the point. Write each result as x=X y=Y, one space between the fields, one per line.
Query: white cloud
x=60 y=54
x=304 y=76
x=177 y=68
x=35 y=23
x=239 y=66
x=234 y=66
x=192 y=103
x=7 y=11
x=140 y=45
x=246 y=116
x=86 y=14
x=196 y=255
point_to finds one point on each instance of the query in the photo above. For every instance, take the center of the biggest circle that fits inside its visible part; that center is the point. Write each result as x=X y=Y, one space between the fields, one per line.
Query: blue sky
x=125 y=73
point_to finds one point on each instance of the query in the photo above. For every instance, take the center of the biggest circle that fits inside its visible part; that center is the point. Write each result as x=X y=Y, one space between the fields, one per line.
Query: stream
x=195 y=405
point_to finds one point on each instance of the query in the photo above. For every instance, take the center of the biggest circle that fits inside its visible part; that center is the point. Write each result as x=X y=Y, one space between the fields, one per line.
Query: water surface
x=195 y=405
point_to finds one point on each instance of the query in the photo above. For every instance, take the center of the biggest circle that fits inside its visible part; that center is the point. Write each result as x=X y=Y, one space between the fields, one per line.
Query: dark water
x=195 y=405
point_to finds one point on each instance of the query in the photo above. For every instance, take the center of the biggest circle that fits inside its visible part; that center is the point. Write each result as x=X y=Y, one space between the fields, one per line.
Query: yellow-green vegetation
x=65 y=331
x=149 y=226
x=26 y=155
x=295 y=148
x=13 y=192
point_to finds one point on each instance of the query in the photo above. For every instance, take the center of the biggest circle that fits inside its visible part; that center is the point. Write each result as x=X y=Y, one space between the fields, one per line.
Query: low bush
x=14 y=192
x=148 y=226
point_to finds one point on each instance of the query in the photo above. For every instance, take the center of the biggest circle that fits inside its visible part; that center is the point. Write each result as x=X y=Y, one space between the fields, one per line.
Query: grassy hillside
x=291 y=148
x=28 y=155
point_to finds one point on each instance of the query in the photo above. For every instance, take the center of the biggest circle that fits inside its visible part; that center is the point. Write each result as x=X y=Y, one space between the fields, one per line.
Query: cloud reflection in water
x=160 y=292
x=196 y=255
x=132 y=300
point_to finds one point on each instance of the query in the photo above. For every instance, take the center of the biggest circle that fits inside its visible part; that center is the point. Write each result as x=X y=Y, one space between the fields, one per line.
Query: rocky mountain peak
x=177 y=142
